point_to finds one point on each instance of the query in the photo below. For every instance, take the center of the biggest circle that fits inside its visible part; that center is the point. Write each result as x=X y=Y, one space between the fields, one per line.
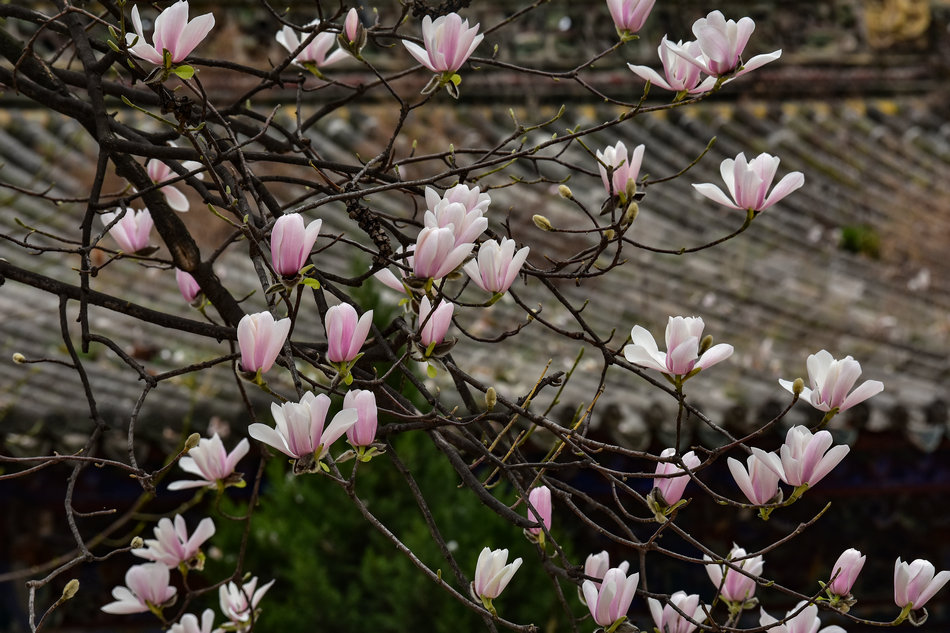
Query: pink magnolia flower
x=471 y=198
x=436 y=254
x=466 y=221
x=629 y=15
x=313 y=53
x=448 y=43
x=682 y=343
x=351 y=26
x=749 y=181
x=759 y=484
x=147 y=587
x=346 y=335
x=159 y=172
x=915 y=583
x=189 y=623
x=679 y=75
x=672 y=487
x=131 y=231
x=492 y=574
x=434 y=323
x=804 y=458
x=187 y=285
x=845 y=571
x=805 y=622
x=291 y=243
x=623 y=180
x=721 y=43
x=611 y=601
x=736 y=587
x=540 y=500
x=300 y=431
x=261 y=338
x=210 y=461
x=363 y=433
x=173 y=32
x=497 y=265
x=172 y=545
x=831 y=380
x=669 y=620
x=596 y=566
x=234 y=602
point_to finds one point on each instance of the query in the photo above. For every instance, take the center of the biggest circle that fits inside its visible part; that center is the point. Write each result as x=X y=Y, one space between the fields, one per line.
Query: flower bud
x=633 y=209
x=798 y=386
x=191 y=442
x=705 y=344
x=70 y=590
x=19 y=358
x=491 y=398
x=542 y=223
x=565 y=192
x=137 y=543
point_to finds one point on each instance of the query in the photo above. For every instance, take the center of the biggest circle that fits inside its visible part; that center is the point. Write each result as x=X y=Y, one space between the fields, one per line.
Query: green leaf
x=455 y=78
x=310 y=281
x=431 y=371
x=184 y=71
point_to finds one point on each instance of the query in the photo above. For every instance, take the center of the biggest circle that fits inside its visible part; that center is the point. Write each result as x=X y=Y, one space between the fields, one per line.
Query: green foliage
x=336 y=572
x=862 y=240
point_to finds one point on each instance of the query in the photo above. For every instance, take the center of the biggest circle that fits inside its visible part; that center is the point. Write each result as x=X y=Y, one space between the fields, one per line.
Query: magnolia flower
x=131 y=231
x=596 y=566
x=749 y=182
x=261 y=338
x=189 y=623
x=540 y=500
x=669 y=620
x=173 y=33
x=345 y=334
x=805 y=622
x=671 y=488
x=471 y=198
x=623 y=181
x=291 y=243
x=147 y=588
x=159 y=172
x=299 y=430
x=497 y=265
x=722 y=42
x=629 y=15
x=234 y=601
x=610 y=602
x=315 y=52
x=448 y=43
x=831 y=380
x=434 y=323
x=679 y=75
x=436 y=254
x=915 y=583
x=736 y=587
x=804 y=459
x=363 y=433
x=845 y=572
x=682 y=344
x=172 y=545
x=187 y=285
x=210 y=461
x=492 y=575
x=466 y=224
x=759 y=484
x=351 y=26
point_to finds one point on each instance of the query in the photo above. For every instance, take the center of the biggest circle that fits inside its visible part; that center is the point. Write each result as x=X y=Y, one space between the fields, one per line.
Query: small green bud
x=542 y=223
x=798 y=386
x=137 y=542
x=70 y=589
x=191 y=442
x=565 y=192
x=609 y=234
x=491 y=398
x=19 y=358
x=633 y=209
x=705 y=344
